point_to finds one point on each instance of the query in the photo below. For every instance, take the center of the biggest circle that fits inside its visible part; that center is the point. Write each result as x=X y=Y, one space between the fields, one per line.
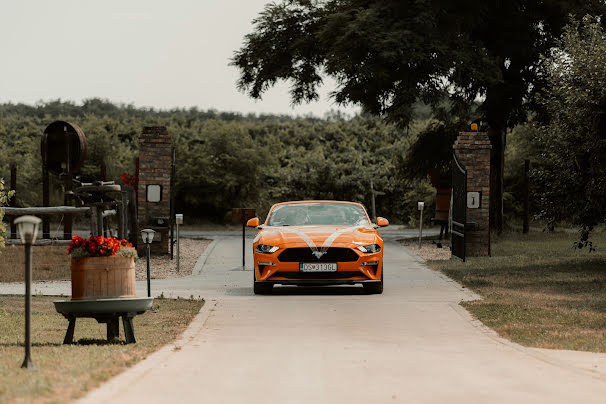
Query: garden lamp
x=28 y=228
x=420 y=206
x=178 y=221
x=28 y=231
x=148 y=236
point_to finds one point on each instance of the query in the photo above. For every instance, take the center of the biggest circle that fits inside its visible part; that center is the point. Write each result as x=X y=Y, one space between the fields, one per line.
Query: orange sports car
x=318 y=243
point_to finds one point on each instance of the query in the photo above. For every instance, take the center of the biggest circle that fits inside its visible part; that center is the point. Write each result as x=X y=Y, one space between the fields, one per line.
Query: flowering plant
x=97 y=246
x=129 y=180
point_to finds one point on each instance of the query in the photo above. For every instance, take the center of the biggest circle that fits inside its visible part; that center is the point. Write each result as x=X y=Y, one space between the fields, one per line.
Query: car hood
x=319 y=235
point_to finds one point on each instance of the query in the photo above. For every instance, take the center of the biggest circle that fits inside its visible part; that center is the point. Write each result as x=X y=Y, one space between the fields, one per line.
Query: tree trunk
x=497 y=136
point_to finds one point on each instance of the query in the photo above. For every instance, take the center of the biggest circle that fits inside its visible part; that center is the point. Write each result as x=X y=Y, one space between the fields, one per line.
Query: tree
x=4 y=198
x=571 y=172
x=386 y=54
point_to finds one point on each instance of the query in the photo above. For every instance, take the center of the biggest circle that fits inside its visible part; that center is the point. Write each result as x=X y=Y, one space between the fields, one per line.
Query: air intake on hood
x=304 y=254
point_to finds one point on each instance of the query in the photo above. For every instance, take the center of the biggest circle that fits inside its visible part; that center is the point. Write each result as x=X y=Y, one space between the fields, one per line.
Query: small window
x=154 y=193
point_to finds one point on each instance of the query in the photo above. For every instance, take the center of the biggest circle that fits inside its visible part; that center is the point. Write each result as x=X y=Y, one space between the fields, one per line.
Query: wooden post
x=93 y=221
x=13 y=200
x=67 y=198
x=121 y=212
x=100 y=220
x=374 y=212
x=103 y=171
x=526 y=215
x=243 y=242
x=45 y=192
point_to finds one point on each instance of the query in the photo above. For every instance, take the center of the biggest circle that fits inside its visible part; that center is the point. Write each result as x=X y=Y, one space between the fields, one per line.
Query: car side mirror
x=254 y=222
x=382 y=222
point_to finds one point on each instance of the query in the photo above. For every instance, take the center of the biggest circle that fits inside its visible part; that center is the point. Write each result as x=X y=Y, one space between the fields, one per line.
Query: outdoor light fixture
x=148 y=236
x=178 y=221
x=420 y=206
x=28 y=228
x=28 y=231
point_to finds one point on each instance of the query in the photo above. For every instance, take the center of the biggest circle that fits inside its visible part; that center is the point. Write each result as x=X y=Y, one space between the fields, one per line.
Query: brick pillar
x=473 y=152
x=154 y=171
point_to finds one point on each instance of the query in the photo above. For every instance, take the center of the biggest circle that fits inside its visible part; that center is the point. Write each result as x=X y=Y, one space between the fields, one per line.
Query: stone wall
x=473 y=152
x=154 y=169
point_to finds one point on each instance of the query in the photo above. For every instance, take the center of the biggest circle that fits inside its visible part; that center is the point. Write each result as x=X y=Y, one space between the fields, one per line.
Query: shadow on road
x=318 y=290
x=302 y=291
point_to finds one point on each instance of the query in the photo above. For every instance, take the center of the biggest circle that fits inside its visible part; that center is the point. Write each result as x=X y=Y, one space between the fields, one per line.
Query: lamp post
x=420 y=206
x=178 y=221
x=148 y=236
x=28 y=231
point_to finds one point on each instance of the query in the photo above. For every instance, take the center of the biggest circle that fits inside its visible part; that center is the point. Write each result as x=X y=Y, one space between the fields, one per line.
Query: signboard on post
x=241 y=215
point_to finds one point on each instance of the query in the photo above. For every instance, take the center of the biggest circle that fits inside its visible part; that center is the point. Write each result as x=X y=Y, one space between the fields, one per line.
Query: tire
x=261 y=288
x=375 y=288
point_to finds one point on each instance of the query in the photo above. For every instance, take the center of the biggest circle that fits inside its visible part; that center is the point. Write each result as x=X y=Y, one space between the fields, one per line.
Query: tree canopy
x=226 y=160
x=570 y=174
x=386 y=54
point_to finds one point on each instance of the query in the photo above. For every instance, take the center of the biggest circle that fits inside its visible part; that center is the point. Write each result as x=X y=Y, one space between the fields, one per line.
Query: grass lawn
x=66 y=372
x=538 y=291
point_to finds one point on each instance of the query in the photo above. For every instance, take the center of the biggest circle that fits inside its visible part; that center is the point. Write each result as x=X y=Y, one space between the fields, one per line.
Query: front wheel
x=374 y=288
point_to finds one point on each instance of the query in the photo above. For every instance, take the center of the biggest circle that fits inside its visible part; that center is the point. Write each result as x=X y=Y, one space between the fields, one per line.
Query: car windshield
x=301 y=214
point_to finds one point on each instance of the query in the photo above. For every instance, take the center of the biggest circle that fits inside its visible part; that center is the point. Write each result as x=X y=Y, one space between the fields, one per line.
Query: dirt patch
x=431 y=250
x=49 y=262
x=163 y=267
x=52 y=262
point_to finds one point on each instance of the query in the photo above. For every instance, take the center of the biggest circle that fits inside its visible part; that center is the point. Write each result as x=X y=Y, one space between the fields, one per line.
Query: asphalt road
x=413 y=344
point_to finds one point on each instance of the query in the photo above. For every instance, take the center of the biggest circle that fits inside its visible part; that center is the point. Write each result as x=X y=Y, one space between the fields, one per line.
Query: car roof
x=317 y=201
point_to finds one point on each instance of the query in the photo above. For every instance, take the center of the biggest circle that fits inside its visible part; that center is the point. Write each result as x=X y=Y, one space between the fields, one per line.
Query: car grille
x=333 y=254
x=318 y=275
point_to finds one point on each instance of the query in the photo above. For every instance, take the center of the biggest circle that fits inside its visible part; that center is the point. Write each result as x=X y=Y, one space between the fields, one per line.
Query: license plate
x=318 y=267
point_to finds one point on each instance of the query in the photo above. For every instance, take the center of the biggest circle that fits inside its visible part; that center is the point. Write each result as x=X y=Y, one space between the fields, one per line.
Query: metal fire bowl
x=104 y=306
x=98 y=189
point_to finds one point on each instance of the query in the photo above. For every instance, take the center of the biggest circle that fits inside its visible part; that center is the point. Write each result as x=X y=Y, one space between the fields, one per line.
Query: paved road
x=413 y=344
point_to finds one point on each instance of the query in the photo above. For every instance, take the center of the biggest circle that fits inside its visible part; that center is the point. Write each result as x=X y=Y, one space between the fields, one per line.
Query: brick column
x=473 y=152
x=154 y=170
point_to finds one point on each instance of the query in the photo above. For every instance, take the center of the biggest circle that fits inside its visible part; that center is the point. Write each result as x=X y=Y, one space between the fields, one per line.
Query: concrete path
x=413 y=344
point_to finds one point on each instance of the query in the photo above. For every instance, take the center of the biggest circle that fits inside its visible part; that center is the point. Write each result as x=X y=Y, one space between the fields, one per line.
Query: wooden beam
x=53 y=210
x=39 y=242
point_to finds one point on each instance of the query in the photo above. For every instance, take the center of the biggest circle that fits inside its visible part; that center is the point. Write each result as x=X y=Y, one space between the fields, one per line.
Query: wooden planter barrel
x=103 y=277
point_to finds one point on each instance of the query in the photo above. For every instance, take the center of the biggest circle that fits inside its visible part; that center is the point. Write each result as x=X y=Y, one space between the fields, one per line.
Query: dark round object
x=375 y=288
x=54 y=147
x=101 y=189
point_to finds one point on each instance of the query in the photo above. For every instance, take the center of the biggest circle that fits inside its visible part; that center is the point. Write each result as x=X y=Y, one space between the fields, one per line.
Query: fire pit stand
x=106 y=311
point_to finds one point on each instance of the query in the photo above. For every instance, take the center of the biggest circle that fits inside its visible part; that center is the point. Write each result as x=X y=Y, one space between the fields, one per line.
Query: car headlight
x=266 y=249
x=371 y=248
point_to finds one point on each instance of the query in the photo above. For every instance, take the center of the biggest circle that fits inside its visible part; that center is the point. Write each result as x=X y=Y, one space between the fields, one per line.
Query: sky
x=150 y=53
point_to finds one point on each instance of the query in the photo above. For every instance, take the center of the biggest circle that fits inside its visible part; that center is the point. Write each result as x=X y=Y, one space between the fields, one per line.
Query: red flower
x=97 y=246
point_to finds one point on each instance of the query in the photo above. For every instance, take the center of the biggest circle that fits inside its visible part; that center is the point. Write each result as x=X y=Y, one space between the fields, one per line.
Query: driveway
x=412 y=344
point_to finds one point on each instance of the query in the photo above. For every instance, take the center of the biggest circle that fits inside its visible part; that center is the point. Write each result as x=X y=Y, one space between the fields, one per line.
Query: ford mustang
x=318 y=243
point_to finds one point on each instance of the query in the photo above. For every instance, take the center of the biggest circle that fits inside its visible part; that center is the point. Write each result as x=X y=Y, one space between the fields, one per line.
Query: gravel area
x=429 y=249
x=163 y=267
